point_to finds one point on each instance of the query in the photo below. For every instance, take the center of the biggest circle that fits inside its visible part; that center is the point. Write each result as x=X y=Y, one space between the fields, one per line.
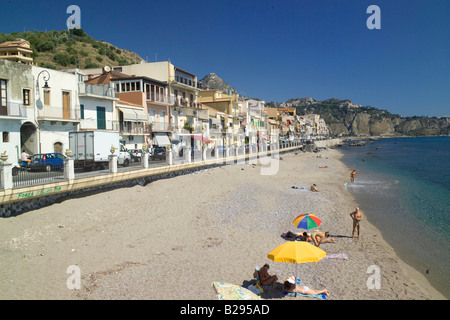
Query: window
x=3 y=95
x=46 y=97
x=82 y=111
x=5 y=137
x=26 y=97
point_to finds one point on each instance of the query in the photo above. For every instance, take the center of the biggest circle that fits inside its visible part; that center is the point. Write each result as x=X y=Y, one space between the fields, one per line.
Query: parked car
x=47 y=162
x=159 y=153
x=136 y=155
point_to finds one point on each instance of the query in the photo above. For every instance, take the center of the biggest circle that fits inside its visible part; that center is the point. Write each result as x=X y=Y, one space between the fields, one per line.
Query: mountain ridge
x=344 y=118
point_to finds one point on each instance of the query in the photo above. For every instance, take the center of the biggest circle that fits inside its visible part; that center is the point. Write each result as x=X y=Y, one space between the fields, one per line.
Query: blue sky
x=279 y=49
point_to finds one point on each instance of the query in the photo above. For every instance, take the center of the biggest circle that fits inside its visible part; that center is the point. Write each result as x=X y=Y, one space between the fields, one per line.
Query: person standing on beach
x=352 y=176
x=357 y=218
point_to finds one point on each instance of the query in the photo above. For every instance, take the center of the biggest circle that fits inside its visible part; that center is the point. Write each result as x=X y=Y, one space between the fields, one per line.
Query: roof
x=185 y=72
x=18 y=43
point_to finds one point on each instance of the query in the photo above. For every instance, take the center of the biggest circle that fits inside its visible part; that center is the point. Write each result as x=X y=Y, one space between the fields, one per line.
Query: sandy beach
x=173 y=238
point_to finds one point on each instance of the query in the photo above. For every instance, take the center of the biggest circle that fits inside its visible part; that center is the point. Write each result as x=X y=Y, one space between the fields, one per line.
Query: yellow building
x=220 y=101
x=17 y=51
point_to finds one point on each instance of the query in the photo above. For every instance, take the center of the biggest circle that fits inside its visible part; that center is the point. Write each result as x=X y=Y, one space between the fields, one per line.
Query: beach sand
x=173 y=238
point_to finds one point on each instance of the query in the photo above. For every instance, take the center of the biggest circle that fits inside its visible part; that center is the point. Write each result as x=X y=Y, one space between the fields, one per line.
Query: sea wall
x=328 y=143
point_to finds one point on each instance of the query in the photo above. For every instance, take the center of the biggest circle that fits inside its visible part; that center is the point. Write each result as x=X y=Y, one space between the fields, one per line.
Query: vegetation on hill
x=76 y=49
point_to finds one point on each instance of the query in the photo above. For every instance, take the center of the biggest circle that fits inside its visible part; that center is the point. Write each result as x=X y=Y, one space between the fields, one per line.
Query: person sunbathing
x=318 y=237
x=313 y=188
x=290 y=287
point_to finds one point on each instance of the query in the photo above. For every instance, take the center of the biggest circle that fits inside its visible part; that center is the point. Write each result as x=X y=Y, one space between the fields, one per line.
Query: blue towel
x=322 y=296
x=294 y=187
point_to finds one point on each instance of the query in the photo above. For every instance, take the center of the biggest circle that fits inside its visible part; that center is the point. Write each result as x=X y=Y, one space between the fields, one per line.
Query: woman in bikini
x=290 y=287
x=265 y=278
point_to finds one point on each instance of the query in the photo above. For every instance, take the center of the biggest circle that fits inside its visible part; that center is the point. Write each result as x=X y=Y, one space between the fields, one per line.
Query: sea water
x=403 y=186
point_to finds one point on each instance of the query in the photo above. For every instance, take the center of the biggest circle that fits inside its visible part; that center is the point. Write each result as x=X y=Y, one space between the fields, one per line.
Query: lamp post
x=46 y=77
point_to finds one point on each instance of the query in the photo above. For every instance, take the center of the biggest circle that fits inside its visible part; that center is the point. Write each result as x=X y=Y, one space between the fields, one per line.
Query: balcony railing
x=59 y=113
x=161 y=126
x=131 y=128
x=97 y=90
x=13 y=109
x=155 y=97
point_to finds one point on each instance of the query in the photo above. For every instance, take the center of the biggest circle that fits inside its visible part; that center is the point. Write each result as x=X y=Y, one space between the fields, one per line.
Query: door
x=58 y=147
x=66 y=105
x=101 y=118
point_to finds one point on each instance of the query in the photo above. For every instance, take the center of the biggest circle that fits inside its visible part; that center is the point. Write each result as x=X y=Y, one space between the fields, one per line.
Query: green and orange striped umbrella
x=306 y=221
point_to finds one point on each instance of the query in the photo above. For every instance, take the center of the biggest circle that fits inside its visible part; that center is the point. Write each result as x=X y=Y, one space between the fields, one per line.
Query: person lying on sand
x=322 y=237
x=318 y=237
x=357 y=218
x=313 y=188
x=290 y=287
x=265 y=278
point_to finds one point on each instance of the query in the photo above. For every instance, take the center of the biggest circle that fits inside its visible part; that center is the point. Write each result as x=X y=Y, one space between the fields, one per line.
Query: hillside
x=213 y=81
x=62 y=50
x=346 y=119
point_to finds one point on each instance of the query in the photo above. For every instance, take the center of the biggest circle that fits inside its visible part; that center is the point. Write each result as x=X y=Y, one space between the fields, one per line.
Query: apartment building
x=18 y=129
x=17 y=51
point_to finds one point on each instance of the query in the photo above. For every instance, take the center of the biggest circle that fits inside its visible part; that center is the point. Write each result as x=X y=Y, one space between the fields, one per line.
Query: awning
x=134 y=115
x=141 y=116
x=203 y=139
x=128 y=114
x=161 y=139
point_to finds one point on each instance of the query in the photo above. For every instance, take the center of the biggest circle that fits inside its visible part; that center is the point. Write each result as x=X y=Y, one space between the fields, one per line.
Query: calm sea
x=403 y=186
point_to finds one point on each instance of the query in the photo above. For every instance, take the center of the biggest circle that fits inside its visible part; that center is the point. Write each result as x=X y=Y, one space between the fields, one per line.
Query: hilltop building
x=17 y=51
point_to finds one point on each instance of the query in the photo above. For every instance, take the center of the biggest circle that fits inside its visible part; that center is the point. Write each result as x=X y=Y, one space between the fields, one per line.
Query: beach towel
x=342 y=256
x=301 y=188
x=291 y=236
x=321 y=296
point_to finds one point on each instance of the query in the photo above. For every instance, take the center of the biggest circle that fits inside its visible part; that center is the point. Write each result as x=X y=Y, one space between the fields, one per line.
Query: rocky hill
x=64 y=49
x=346 y=119
x=213 y=81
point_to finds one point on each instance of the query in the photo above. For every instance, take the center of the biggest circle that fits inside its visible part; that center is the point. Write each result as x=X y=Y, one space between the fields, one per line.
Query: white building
x=57 y=108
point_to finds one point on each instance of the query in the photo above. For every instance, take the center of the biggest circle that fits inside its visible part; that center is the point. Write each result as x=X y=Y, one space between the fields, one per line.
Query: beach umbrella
x=296 y=252
x=307 y=221
x=228 y=291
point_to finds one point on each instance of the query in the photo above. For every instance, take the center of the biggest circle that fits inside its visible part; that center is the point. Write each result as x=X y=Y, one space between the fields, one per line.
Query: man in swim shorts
x=357 y=218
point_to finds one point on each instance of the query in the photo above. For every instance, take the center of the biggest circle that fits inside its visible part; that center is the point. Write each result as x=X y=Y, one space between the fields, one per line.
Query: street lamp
x=46 y=77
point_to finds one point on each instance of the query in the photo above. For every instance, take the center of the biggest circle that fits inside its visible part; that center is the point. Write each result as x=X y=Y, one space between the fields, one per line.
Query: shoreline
x=189 y=231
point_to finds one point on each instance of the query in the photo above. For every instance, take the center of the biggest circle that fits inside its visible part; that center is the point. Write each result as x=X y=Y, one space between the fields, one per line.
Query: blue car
x=47 y=162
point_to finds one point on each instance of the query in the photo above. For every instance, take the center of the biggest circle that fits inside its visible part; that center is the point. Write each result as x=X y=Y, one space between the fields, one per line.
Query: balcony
x=71 y=114
x=132 y=128
x=13 y=110
x=161 y=126
x=159 y=98
x=105 y=91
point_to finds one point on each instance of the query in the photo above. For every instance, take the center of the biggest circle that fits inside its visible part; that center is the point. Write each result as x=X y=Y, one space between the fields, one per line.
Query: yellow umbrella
x=296 y=252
